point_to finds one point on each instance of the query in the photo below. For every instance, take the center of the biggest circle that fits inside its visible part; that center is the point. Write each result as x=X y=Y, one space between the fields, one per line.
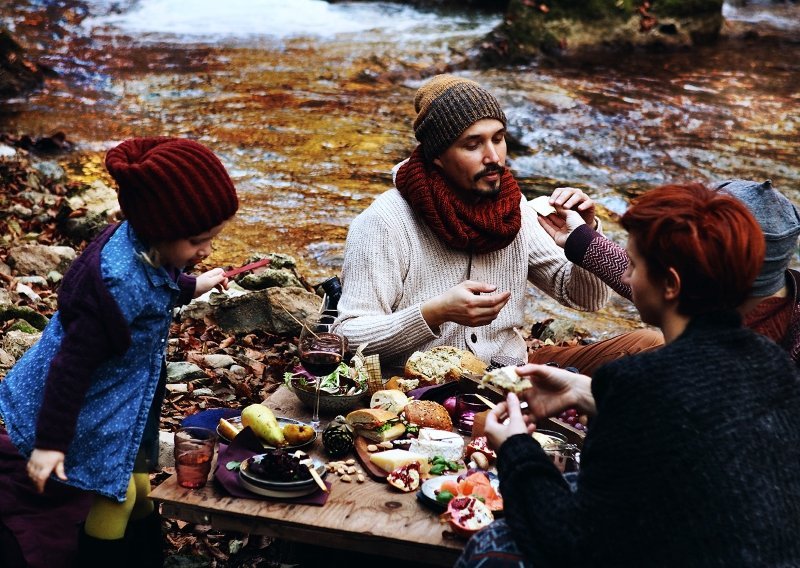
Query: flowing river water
x=309 y=105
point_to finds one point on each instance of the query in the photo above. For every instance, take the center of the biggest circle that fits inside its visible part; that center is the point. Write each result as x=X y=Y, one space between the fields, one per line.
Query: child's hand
x=214 y=278
x=42 y=463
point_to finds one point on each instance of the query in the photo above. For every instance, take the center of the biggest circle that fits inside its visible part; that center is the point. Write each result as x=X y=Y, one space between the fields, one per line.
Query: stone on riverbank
x=34 y=259
x=583 y=28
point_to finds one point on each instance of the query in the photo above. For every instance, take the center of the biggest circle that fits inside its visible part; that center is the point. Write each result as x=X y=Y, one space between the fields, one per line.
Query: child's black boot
x=100 y=553
x=145 y=542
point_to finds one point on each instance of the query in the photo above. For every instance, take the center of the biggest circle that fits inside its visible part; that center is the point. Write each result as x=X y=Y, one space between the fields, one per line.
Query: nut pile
x=346 y=470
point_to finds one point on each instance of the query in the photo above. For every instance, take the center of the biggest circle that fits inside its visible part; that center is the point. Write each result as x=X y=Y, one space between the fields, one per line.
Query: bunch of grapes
x=571 y=417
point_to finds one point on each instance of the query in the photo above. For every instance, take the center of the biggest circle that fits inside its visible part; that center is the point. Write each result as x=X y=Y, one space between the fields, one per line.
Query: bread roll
x=401 y=384
x=442 y=364
x=428 y=414
x=391 y=400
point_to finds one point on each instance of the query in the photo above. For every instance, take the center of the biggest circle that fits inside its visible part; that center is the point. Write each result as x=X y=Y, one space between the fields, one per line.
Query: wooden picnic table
x=369 y=517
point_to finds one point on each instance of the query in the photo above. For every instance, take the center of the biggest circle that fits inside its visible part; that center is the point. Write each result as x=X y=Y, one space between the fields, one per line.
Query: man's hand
x=470 y=303
x=214 y=278
x=554 y=390
x=498 y=429
x=42 y=463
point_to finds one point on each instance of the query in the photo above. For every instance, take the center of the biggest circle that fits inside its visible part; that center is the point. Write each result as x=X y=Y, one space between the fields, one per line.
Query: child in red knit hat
x=82 y=405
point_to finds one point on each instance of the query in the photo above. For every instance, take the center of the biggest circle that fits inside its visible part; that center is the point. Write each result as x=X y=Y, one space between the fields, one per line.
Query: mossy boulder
x=584 y=27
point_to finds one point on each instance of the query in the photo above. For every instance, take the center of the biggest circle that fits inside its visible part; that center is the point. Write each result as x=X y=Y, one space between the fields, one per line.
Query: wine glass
x=321 y=350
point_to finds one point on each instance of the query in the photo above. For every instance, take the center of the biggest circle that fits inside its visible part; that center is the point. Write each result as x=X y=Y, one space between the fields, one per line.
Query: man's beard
x=496 y=186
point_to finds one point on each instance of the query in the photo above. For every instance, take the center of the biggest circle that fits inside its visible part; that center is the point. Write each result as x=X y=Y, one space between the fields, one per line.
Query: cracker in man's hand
x=542 y=205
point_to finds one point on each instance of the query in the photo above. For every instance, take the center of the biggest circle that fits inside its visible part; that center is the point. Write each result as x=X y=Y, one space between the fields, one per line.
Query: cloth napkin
x=246 y=445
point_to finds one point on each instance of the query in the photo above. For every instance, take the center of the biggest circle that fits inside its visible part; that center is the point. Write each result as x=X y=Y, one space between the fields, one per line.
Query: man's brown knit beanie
x=446 y=106
x=171 y=188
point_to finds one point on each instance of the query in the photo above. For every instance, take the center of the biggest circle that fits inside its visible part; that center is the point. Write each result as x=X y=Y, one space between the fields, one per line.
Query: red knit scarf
x=482 y=227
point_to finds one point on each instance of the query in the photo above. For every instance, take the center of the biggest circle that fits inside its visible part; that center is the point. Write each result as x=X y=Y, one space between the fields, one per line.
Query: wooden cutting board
x=362 y=454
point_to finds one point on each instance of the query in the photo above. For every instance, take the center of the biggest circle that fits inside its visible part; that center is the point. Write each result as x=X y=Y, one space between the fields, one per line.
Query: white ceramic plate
x=283 y=494
x=427 y=491
x=282 y=421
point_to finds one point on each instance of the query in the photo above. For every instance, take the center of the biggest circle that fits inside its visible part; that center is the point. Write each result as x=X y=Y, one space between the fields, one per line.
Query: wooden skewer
x=485 y=401
x=309 y=463
x=291 y=315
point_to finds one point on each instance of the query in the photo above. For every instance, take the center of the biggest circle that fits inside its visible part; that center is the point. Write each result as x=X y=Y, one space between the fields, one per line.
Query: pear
x=264 y=424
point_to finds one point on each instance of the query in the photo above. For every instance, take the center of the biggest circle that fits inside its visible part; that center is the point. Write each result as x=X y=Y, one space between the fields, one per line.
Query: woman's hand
x=554 y=390
x=214 y=278
x=559 y=225
x=506 y=420
x=42 y=463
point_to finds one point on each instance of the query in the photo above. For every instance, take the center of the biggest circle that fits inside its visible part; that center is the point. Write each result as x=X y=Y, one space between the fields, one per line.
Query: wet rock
x=35 y=280
x=558 y=330
x=270 y=278
x=41 y=259
x=584 y=29
x=16 y=342
x=25 y=290
x=54 y=277
x=205 y=391
x=23 y=326
x=100 y=206
x=21 y=211
x=6 y=361
x=50 y=171
x=97 y=199
x=183 y=371
x=219 y=361
x=203 y=306
x=274 y=310
x=34 y=318
x=40 y=197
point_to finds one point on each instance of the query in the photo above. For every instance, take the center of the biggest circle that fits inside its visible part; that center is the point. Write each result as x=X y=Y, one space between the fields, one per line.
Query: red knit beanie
x=171 y=188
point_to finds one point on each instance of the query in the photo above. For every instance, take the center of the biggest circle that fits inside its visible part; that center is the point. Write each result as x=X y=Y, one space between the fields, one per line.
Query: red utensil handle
x=246 y=267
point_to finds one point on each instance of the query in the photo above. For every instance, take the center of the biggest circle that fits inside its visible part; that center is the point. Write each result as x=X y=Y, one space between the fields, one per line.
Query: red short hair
x=711 y=240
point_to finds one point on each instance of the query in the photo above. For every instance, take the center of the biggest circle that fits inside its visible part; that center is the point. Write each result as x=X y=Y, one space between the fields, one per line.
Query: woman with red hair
x=692 y=449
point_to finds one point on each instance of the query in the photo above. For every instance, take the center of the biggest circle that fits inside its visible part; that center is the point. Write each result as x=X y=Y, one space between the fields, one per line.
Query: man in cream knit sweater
x=444 y=257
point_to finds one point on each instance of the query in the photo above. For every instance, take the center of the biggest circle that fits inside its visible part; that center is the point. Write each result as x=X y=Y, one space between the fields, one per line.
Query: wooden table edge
x=296 y=532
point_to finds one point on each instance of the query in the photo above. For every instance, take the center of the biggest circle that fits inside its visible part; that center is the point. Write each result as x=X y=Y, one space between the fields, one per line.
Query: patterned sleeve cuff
x=578 y=242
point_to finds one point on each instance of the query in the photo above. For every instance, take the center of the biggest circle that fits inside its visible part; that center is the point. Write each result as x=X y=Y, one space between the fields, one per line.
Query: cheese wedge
x=390 y=460
x=432 y=442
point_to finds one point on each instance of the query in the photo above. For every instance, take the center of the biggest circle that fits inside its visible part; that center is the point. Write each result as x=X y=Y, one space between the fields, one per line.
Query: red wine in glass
x=320 y=363
x=321 y=350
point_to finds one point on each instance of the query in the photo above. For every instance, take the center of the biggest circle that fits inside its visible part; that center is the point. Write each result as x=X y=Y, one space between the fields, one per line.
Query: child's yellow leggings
x=108 y=519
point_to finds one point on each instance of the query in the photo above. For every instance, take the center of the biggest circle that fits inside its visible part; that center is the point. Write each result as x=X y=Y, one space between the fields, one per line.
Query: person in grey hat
x=446 y=256
x=773 y=308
